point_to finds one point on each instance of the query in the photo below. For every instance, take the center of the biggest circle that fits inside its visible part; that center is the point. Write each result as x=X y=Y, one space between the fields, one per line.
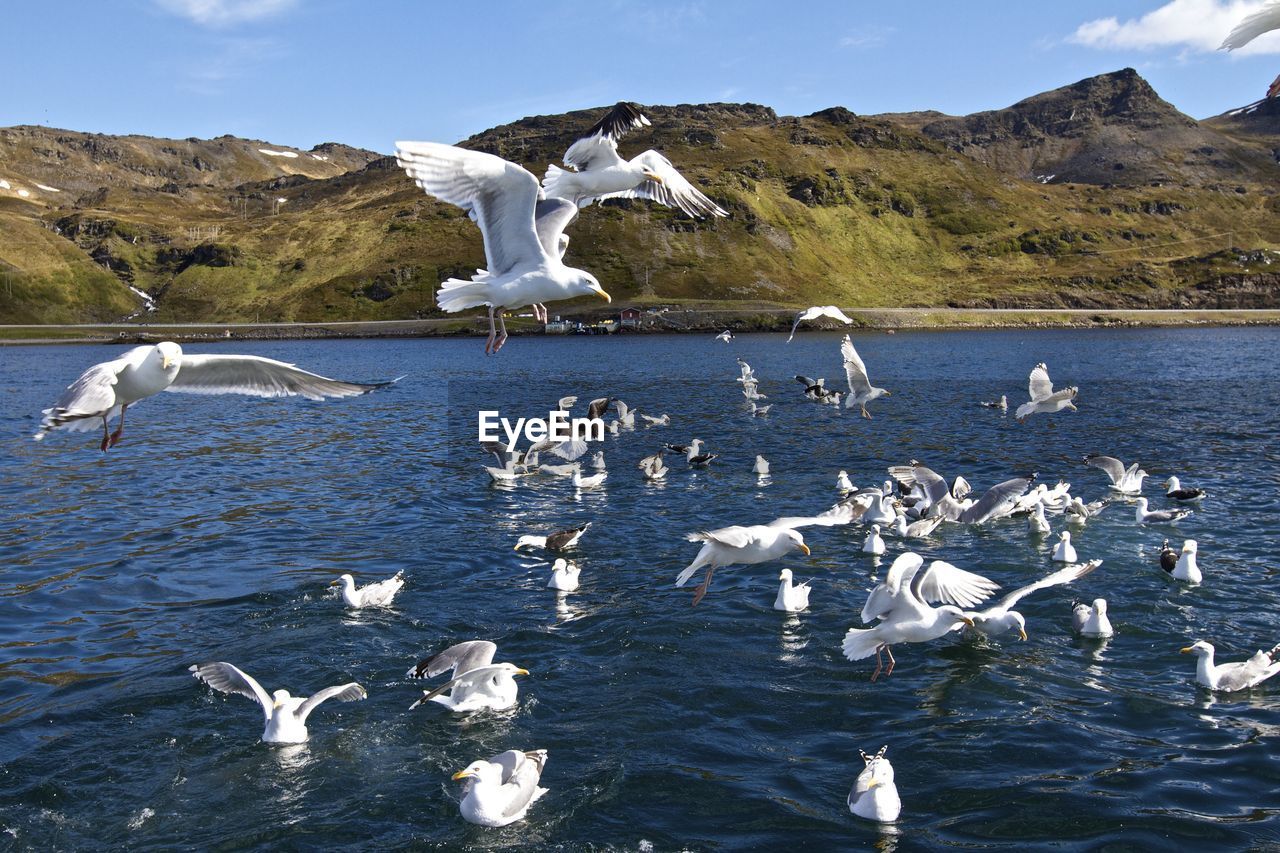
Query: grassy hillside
x=832 y=207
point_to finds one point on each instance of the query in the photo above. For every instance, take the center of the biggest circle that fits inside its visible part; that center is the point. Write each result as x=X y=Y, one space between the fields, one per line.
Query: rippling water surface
x=212 y=531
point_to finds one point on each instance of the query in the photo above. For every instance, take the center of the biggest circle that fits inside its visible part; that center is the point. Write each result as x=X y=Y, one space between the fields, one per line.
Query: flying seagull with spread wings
x=523 y=233
x=597 y=172
x=819 y=311
x=861 y=391
x=108 y=389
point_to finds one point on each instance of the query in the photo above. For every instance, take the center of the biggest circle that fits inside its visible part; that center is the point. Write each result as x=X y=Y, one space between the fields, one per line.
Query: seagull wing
x=1264 y=20
x=229 y=679
x=1113 y=467
x=1039 y=386
x=844 y=512
x=90 y=396
x=459 y=657
x=593 y=153
x=882 y=599
x=521 y=772
x=343 y=693
x=733 y=537
x=673 y=189
x=551 y=217
x=1059 y=577
x=834 y=313
x=996 y=500
x=501 y=195
x=943 y=582
x=855 y=372
x=625 y=116
x=259 y=377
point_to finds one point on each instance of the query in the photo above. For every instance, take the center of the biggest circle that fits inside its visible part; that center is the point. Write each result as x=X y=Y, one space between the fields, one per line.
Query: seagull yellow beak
x=887 y=394
x=656 y=178
x=966 y=620
x=521 y=672
x=1185 y=651
x=872 y=784
x=599 y=291
x=805 y=548
x=1022 y=634
x=462 y=774
x=165 y=363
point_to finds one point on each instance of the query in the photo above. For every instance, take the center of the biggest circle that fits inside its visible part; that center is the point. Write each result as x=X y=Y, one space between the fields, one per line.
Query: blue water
x=212 y=531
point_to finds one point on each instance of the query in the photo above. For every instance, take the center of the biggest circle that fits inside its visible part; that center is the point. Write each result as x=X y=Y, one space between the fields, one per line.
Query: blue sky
x=301 y=72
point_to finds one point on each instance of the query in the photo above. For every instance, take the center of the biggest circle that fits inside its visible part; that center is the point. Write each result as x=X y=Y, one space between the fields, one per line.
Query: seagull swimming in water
x=1230 y=677
x=522 y=233
x=286 y=715
x=475 y=682
x=874 y=795
x=1166 y=516
x=1174 y=489
x=108 y=389
x=1181 y=566
x=1091 y=620
x=792 y=597
x=499 y=791
x=376 y=594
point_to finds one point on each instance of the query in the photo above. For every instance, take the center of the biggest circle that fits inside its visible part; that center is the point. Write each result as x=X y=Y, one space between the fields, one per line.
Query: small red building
x=630 y=316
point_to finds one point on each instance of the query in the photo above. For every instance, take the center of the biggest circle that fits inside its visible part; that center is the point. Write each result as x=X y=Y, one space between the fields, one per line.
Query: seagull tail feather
x=458 y=294
x=559 y=183
x=860 y=643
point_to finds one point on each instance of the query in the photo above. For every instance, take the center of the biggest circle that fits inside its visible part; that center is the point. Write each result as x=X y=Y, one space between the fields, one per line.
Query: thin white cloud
x=1194 y=25
x=207 y=72
x=870 y=37
x=225 y=13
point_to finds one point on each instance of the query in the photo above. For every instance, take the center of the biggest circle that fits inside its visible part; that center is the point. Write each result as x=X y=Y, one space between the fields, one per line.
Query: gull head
x=512 y=670
x=475 y=770
x=650 y=175
x=1189 y=546
x=1021 y=624
x=586 y=285
x=1199 y=648
x=1064 y=537
x=1100 y=606
x=797 y=541
x=961 y=618
x=280 y=697
x=1172 y=483
x=784 y=575
x=345 y=580
x=170 y=355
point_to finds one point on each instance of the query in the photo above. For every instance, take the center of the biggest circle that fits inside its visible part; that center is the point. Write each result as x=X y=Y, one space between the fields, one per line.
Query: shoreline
x=673 y=321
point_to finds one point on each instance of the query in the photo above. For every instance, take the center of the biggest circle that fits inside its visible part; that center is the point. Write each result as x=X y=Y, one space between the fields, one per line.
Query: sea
x=213 y=530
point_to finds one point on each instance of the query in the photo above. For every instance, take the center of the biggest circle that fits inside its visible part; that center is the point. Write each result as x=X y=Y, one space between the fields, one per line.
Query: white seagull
x=792 y=597
x=861 y=391
x=1064 y=551
x=725 y=336
x=819 y=311
x=1092 y=621
x=376 y=594
x=1182 y=567
x=590 y=481
x=596 y=172
x=874 y=796
x=475 y=683
x=564 y=576
x=653 y=467
x=1229 y=677
x=1168 y=516
x=499 y=791
x=109 y=388
x=1001 y=617
x=1126 y=481
x=873 y=543
x=902 y=603
x=1043 y=397
x=757 y=543
x=522 y=232
x=286 y=715
x=843 y=484
x=761 y=468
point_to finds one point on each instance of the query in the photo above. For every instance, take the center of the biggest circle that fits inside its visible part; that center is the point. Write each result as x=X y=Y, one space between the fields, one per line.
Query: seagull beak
x=165 y=363
x=805 y=548
x=887 y=394
x=966 y=620
x=462 y=774
x=656 y=178
x=872 y=784
x=599 y=291
x=1022 y=634
x=1185 y=651
x=334 y=583
x=521 y=672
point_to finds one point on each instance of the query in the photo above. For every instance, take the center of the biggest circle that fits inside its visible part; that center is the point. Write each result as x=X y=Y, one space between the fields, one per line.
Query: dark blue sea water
x=212 y=531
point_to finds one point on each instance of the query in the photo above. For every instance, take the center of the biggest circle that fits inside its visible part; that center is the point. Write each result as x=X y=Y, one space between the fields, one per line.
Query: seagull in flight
x=522 y=231
x=596 y=171
x=819 y=311
x=108 y=389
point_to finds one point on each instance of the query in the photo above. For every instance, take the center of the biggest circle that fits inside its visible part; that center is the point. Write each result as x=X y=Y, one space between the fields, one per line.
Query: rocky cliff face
x=897 y=210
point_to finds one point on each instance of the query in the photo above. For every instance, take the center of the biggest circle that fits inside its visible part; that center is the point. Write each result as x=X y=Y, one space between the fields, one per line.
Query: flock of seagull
x=523 y=221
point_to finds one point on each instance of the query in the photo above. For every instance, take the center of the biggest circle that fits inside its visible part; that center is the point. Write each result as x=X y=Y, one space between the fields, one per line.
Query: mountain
x=869 y=211
x=1257 y=124
x=1110 y=129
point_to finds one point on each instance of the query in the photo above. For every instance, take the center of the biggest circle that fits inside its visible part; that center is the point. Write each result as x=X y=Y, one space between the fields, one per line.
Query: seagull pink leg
x=106 y=434
x=888 y=651
x=115 y=436
x=502 y=335
x=493 y=333
x=701 y=589
x=879 y=662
